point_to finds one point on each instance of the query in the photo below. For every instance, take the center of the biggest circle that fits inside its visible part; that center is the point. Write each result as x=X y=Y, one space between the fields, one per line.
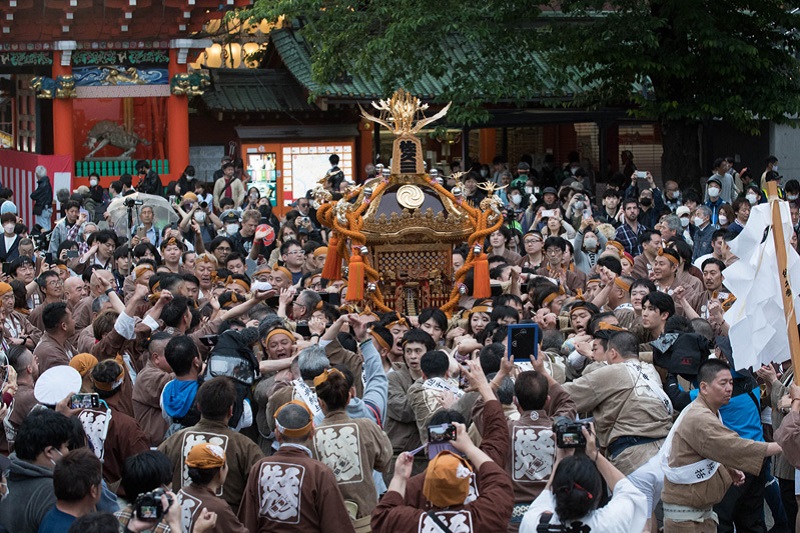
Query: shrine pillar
x=63 y=130
x=177 y=111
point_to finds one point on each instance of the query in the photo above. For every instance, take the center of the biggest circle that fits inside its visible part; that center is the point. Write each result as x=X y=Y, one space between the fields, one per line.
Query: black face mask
x=646 y=202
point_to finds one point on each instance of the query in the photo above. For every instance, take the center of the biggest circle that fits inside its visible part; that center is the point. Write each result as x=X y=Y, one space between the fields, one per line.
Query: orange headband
x=171 y=241
x=141 y=269
x=622 y=285
x=674 y=260
x=5 y=288
x=298 y=432
x=205 y=258
x=322 y=378
x=607 y=326
x=283 y=270
x=62 y=267
x=279 y=331
x=616 y=244
x=401 y=320
x=320 y=251
x=242 y=283
x=480 y=309
x=552 y=296
x=593 y=280
x=377 y=338
x=205 y=455
x=263 y=269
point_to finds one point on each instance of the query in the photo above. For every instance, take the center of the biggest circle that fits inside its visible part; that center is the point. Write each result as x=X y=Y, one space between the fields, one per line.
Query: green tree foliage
x=680 y=62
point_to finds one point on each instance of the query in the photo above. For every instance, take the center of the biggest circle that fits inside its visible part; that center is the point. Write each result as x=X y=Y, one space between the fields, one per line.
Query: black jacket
x=43 y=195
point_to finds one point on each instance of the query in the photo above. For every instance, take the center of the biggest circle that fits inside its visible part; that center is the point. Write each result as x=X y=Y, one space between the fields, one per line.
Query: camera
x=148 y=505
x=441 y=433
x=84 y=401
x=569 y=433
x=203 y=205
x=130 y=202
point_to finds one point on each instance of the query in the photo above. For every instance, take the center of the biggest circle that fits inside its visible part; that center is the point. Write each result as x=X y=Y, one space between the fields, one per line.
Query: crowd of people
x=203 y=375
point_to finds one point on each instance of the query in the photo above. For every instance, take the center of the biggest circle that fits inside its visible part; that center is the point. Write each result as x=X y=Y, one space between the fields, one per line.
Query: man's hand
x=767 y=374
x=591 y=441
x=316 y=325
x=462 y=442
x=359 y=324
x=206 y=521
x=82 y=219
x=164 y=298
x=139 y=291
x=403 y=465
x=737 y=475
x=287 y=296
x=64 y=408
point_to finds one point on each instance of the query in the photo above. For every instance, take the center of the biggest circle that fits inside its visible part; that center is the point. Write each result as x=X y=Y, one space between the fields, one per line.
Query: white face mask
x=516 y=198
x=230 y=229
x=590 y=244
x=752 y=198
x=775 y=167
x=698 y=221
x=199 y=216
x=723 y=220
x=713 y=192
x=484 y=172
x=684 y=221
x=93 y=183
x=9 y=227
x=791 y=197
x=528 y=190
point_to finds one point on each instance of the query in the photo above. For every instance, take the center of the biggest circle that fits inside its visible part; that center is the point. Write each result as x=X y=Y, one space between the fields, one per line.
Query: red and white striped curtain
x=17 y=173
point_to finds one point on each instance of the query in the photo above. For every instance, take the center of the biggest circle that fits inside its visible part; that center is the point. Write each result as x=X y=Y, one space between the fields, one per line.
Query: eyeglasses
x=532 y=241
x=55 y=283
x=554 y=251
x=296 y=252
x=224 y=248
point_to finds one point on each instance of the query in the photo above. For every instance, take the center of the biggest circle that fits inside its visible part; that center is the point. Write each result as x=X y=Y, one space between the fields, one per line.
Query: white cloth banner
x=757 y=322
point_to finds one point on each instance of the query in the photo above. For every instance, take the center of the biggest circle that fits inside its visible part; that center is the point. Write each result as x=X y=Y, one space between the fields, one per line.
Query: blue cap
x=8 y=207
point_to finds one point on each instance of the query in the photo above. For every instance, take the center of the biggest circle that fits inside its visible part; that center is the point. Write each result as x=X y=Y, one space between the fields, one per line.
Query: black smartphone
x=302 y=329
x=523 y=341
x=7 y=268
x=333 y=298
x=71 y=254
x=497 y=289
x=48 y=258
x=209 y=340
x=174 y=225
x=84 y=401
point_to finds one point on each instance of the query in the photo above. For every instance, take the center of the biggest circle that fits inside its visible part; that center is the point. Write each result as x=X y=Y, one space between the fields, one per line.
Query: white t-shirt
x=626 y=512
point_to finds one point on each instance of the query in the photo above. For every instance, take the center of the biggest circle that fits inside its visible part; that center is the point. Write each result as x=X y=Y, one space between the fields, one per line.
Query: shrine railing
x=117 y=168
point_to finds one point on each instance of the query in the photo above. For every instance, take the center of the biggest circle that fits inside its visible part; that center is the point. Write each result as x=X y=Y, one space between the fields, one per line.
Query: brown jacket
x=146 y=402
x=51 y=353
x=700 y=435
x=352 y=448
x=401 y=422
x=292 y=493
x=241 y=453
x=193 y=499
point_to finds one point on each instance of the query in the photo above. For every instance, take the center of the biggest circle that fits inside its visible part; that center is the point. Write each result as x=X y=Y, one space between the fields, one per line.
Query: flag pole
x=783 y=276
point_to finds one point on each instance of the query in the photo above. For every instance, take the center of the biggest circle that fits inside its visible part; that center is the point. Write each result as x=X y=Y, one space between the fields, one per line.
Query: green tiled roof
x=296 y=55
x=251 y=90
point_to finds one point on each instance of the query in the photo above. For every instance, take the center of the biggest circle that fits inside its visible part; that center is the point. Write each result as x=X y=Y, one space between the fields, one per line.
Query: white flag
x=757 y=322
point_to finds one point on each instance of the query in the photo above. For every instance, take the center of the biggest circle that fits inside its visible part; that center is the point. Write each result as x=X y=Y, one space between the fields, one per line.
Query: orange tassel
x=355 y=284
x=481 y=285
x=332 y=271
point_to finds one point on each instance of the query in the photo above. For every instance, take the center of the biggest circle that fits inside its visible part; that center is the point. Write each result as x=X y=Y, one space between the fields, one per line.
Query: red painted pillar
x=177 y=122
x=365 y=149
x=63 y=136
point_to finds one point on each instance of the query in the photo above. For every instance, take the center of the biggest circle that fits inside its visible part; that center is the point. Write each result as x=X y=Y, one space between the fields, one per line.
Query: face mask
x=579 y=206
x=516 y=198
x=646 y=202
x=59 y=454
x=723 y=220
x=775 y=168
x=791 y=197
x=752 y=198
x=684 y=222
x=713 y=192
x=698 y=221
x=9 y=227
x=591 y=244
x=230 y=229
x=200 y=216
x=484 y=173
x=93 y=183
x=528 y=190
